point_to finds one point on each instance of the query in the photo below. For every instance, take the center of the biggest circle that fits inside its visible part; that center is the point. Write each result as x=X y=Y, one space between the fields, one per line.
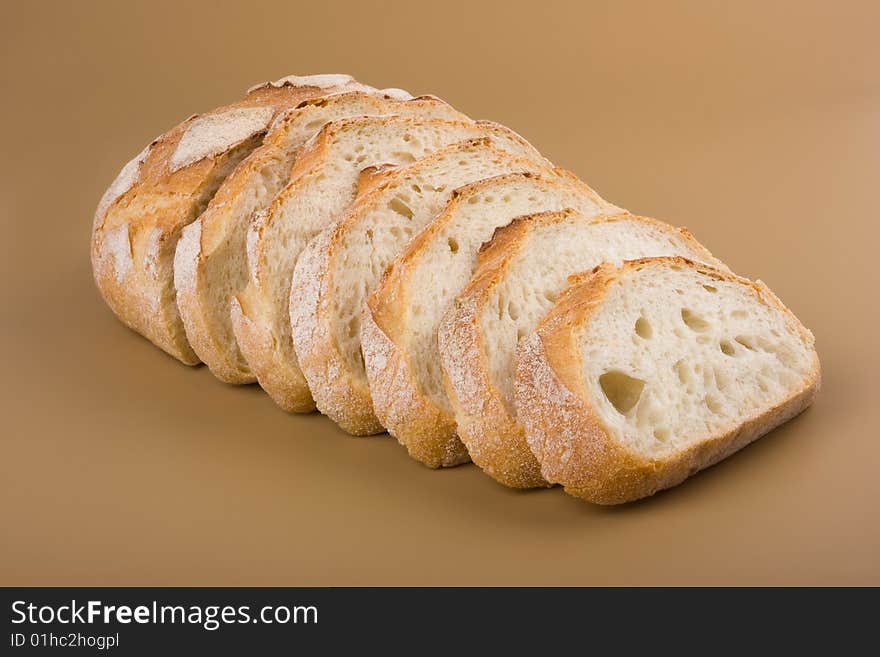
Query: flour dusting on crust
x=321 y=81
x=118 y=247
x=124 y=181
x=216 y=133
x=186 y=258
x=306 y=290
x=459 y=343
x=151 y=253
x=252 y=243
x=543 y=390
x=397 y=94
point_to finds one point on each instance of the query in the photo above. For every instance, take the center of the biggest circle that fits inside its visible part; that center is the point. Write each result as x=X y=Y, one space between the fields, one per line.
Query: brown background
x=757 y=125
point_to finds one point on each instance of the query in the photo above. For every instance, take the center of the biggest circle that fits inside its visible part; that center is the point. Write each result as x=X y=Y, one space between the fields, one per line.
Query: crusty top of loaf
x=126 y=179
x=319 y=80
x=215 y=133
x=202 y=137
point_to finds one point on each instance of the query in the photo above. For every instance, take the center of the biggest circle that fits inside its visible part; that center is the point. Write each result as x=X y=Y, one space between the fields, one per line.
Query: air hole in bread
x=722 y=380
x=416 y=188
x=710 y=288
x=708 y=377
x=694 y=321
x=683 y=372
x=713 y=404
x=726 y=348
x=489 y=199
x=400 y=207
x=512 y=311
x=643 y=328
x=621 y=390
x=661 y=435
x=453 y=245
x=739 y=314
x=473 y=200
x=746 y=342
x=370 y=234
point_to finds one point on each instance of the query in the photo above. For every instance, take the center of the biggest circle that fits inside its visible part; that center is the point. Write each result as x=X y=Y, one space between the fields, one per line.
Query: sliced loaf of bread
x=343 y=264
x=520 y=273
x=205 y=276
x=399 y=328
x=644 y=373
x=323 y=183
x=139 y=219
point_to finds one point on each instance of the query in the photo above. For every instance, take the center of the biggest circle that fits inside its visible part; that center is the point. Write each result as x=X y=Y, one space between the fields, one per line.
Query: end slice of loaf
x=139 y=219
x=519 y=275
x=342 y=265
x=323 y=184
x=399 y=328
x=647 y=372
x=211 y=260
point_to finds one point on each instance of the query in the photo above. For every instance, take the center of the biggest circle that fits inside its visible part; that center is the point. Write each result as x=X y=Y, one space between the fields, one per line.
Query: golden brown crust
x=486 y=423
x=135 y=232
x=567 y=437
x=322 y=362
x=489 y=432
x=286 y=386
x=431 y=437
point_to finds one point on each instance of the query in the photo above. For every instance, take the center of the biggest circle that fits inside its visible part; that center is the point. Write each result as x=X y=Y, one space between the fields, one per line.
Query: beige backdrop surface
x=757 y=125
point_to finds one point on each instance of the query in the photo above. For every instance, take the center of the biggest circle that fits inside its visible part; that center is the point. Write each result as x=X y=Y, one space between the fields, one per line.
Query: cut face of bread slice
x=645 y=373
x=324 y=182
x=399 y=330
x=139 y=218
x=343 y=264
x=205 y=279
x=519 y=275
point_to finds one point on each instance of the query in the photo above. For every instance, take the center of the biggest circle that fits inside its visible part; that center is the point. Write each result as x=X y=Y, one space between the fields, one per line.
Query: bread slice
x=342 y=265
x=399 y=328
x=138 y=220
x=323 y=183
x=205 y=279
x=519 y=274
x=647 y=372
